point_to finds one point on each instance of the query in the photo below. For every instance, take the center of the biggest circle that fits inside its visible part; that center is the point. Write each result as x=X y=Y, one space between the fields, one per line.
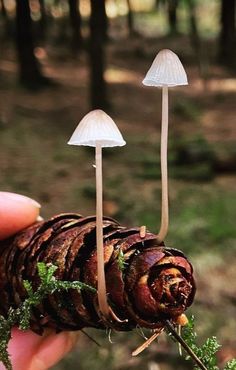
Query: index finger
x=16 y=212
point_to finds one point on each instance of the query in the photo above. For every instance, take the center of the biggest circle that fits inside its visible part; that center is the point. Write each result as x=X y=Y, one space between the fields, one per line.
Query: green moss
x=21 y=316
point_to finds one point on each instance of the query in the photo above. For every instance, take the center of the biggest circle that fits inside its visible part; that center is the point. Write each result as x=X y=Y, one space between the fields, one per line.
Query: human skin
x=28 y=350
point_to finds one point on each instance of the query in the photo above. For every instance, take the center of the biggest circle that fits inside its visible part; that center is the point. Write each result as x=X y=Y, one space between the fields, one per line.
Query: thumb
x=30 y=351
x=16 y=213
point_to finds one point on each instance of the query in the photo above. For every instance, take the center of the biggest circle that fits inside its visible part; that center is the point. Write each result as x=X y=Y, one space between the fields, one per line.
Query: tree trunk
x=201 y=53
x=43 y=20
x=29 y=71
x=3 y=10
x=194 y=33
x=75 y=20
x=172 y=16
x=130 y=18
x=6 y=24
x=97 y=55
x=103 y=19
x=228 y=33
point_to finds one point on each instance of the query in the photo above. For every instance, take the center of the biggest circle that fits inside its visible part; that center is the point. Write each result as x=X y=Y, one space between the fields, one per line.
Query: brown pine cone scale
x=147 y=283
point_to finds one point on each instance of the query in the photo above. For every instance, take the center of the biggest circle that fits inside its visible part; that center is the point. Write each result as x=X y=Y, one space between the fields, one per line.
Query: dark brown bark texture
x=130 y=18
x=6 y=29
x=43 y=23
x=3 y=9
x=172 y=15
x=30 y=74
x=151 y=283
x=228 y=32
x=76 y=23
x=98 y=35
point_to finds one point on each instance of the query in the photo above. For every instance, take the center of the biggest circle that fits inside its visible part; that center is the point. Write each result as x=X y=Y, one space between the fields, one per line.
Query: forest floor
x=35 y=160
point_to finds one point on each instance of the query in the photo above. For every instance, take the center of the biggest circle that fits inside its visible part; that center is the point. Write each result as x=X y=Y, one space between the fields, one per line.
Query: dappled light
x=119 y=76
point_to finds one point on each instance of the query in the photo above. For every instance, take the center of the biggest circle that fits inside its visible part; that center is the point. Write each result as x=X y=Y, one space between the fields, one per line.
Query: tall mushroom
x=98 y=130
x=165 y=71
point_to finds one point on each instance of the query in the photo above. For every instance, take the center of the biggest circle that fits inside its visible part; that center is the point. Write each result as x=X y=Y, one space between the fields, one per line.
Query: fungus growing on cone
x=98 y=130
x=166 y=71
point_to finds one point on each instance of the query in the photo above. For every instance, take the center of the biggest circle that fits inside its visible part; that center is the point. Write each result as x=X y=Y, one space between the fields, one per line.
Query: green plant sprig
x=21 y=316
x=121 y=260
x=207 y=352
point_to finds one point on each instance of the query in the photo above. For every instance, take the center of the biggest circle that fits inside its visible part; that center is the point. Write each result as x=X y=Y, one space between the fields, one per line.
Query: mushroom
x=98 y=130
x=165 y=71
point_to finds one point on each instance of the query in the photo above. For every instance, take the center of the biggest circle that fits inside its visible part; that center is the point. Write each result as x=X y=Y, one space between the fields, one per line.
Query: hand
x=28 y=350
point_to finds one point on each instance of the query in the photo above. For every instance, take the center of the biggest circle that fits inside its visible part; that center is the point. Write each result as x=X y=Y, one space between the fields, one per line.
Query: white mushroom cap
x=97 y=128
x=166 y=70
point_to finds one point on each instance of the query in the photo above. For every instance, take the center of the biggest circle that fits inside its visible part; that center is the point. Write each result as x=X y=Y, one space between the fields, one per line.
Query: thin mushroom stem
x=185 y=345
x=164 y=167
x=102 y=298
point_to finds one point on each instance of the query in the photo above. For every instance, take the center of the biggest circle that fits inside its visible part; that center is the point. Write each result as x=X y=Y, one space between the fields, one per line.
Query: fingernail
x=39 y=218
x=20 y=198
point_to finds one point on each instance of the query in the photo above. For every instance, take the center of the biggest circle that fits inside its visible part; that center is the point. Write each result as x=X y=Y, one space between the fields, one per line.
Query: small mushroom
x=165 y=71
x=98 y=130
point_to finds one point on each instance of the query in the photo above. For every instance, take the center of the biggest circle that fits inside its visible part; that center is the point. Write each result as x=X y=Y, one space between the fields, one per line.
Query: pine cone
x=146 y=282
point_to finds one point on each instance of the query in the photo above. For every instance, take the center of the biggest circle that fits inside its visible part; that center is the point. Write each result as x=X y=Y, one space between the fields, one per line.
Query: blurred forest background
x=58 y=60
